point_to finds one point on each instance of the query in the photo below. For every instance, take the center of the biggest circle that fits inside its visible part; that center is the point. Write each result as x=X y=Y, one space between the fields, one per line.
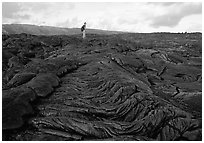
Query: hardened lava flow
x=140 y=87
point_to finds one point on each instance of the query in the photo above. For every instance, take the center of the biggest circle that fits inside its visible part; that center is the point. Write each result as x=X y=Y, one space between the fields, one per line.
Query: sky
x=119 y=16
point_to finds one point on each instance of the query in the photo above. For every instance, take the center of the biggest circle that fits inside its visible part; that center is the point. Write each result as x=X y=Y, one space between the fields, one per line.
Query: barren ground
x=116 y=87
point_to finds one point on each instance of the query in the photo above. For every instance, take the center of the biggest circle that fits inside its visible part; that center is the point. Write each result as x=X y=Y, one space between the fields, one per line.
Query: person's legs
x=84 y=34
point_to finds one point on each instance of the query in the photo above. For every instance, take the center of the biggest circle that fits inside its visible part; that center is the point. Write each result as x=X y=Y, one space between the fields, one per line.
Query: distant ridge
x=49 y=30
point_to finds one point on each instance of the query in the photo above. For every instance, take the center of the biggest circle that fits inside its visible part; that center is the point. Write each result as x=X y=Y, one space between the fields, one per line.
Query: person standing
x=83 y=30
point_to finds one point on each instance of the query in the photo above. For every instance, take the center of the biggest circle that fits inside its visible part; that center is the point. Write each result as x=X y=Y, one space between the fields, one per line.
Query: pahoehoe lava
x=116 y=87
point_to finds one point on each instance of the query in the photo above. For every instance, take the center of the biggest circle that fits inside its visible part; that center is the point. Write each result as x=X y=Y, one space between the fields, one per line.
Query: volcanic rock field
x=120 y=87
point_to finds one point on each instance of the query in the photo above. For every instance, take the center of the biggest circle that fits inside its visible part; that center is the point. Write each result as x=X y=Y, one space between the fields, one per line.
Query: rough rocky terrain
x=115 y=87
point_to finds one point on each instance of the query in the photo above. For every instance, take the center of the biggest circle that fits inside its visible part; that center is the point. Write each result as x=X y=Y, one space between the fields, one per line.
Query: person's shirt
x=83 y=27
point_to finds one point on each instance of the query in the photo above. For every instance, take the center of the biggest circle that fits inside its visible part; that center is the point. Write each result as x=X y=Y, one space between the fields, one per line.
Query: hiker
x=83 y=30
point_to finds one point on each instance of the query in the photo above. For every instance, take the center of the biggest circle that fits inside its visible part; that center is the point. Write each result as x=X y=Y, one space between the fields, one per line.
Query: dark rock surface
x=116 y=87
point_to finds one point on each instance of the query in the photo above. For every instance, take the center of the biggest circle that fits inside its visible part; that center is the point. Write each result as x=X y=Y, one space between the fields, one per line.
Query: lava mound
x=141 y=87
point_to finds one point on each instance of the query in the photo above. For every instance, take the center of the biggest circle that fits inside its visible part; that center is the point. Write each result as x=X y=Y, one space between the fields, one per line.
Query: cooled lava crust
x=116 y=87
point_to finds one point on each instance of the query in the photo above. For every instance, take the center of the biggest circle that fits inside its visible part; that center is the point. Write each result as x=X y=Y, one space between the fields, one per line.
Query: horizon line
x=96 y=28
